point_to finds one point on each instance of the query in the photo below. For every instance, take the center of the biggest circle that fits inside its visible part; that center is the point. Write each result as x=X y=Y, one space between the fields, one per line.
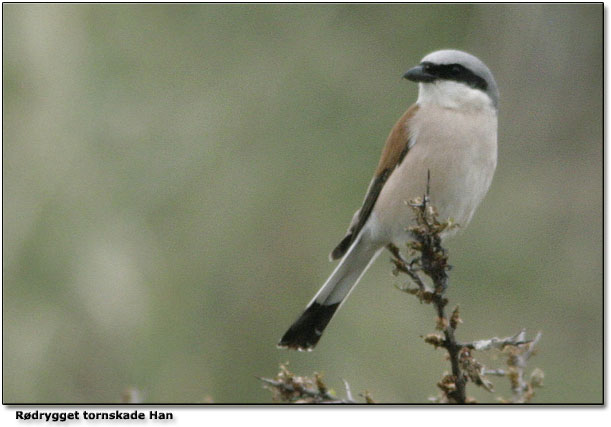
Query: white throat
x=453 y=95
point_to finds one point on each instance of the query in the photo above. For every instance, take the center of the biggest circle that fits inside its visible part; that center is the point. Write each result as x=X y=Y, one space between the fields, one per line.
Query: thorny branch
x=522 y=389
x=431 y=259
x=290 y=388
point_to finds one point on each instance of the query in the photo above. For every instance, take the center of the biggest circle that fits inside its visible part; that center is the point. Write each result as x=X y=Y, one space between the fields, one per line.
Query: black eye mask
x=455 y=72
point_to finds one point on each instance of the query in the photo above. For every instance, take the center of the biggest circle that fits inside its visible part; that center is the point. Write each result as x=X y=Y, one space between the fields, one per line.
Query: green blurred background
x=175 y=176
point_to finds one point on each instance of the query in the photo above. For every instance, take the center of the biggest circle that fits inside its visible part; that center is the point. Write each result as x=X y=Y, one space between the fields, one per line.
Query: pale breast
x=460 y=150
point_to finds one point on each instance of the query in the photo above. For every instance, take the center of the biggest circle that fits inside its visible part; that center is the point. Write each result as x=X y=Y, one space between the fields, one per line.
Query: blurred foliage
x=175 y=176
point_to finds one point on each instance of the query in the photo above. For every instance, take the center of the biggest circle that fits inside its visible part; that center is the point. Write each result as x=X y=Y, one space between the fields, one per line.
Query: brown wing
x=397 y=145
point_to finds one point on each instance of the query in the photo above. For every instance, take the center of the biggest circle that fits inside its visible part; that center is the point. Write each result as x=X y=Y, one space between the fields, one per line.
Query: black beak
x=417 y=74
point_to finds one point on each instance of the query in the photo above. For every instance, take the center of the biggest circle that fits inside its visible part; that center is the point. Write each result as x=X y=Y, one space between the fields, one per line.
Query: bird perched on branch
x=451 y=133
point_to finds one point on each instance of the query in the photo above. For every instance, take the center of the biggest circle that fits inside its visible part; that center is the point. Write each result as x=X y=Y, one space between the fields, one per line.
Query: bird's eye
x=455 y=69
x=427 y=68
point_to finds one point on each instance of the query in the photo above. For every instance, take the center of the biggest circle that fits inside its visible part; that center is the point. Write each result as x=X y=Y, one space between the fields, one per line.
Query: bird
x=448 y=140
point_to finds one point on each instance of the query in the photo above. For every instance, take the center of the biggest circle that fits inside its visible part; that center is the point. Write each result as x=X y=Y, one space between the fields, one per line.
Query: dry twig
x=431 y=259
x=290 y=388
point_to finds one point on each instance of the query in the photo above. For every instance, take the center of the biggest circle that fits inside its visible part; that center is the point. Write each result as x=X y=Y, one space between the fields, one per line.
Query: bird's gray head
x=453 y=77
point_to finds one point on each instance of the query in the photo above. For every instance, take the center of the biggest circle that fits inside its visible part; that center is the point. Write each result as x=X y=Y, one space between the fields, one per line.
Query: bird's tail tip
x=282 y=346
x=304 y=334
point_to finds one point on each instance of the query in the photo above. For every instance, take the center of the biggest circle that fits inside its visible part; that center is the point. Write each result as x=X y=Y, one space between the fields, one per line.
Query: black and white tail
x=307 y=330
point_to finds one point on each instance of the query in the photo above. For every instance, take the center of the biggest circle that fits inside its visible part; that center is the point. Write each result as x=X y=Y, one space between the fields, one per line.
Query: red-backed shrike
x=450 y=131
